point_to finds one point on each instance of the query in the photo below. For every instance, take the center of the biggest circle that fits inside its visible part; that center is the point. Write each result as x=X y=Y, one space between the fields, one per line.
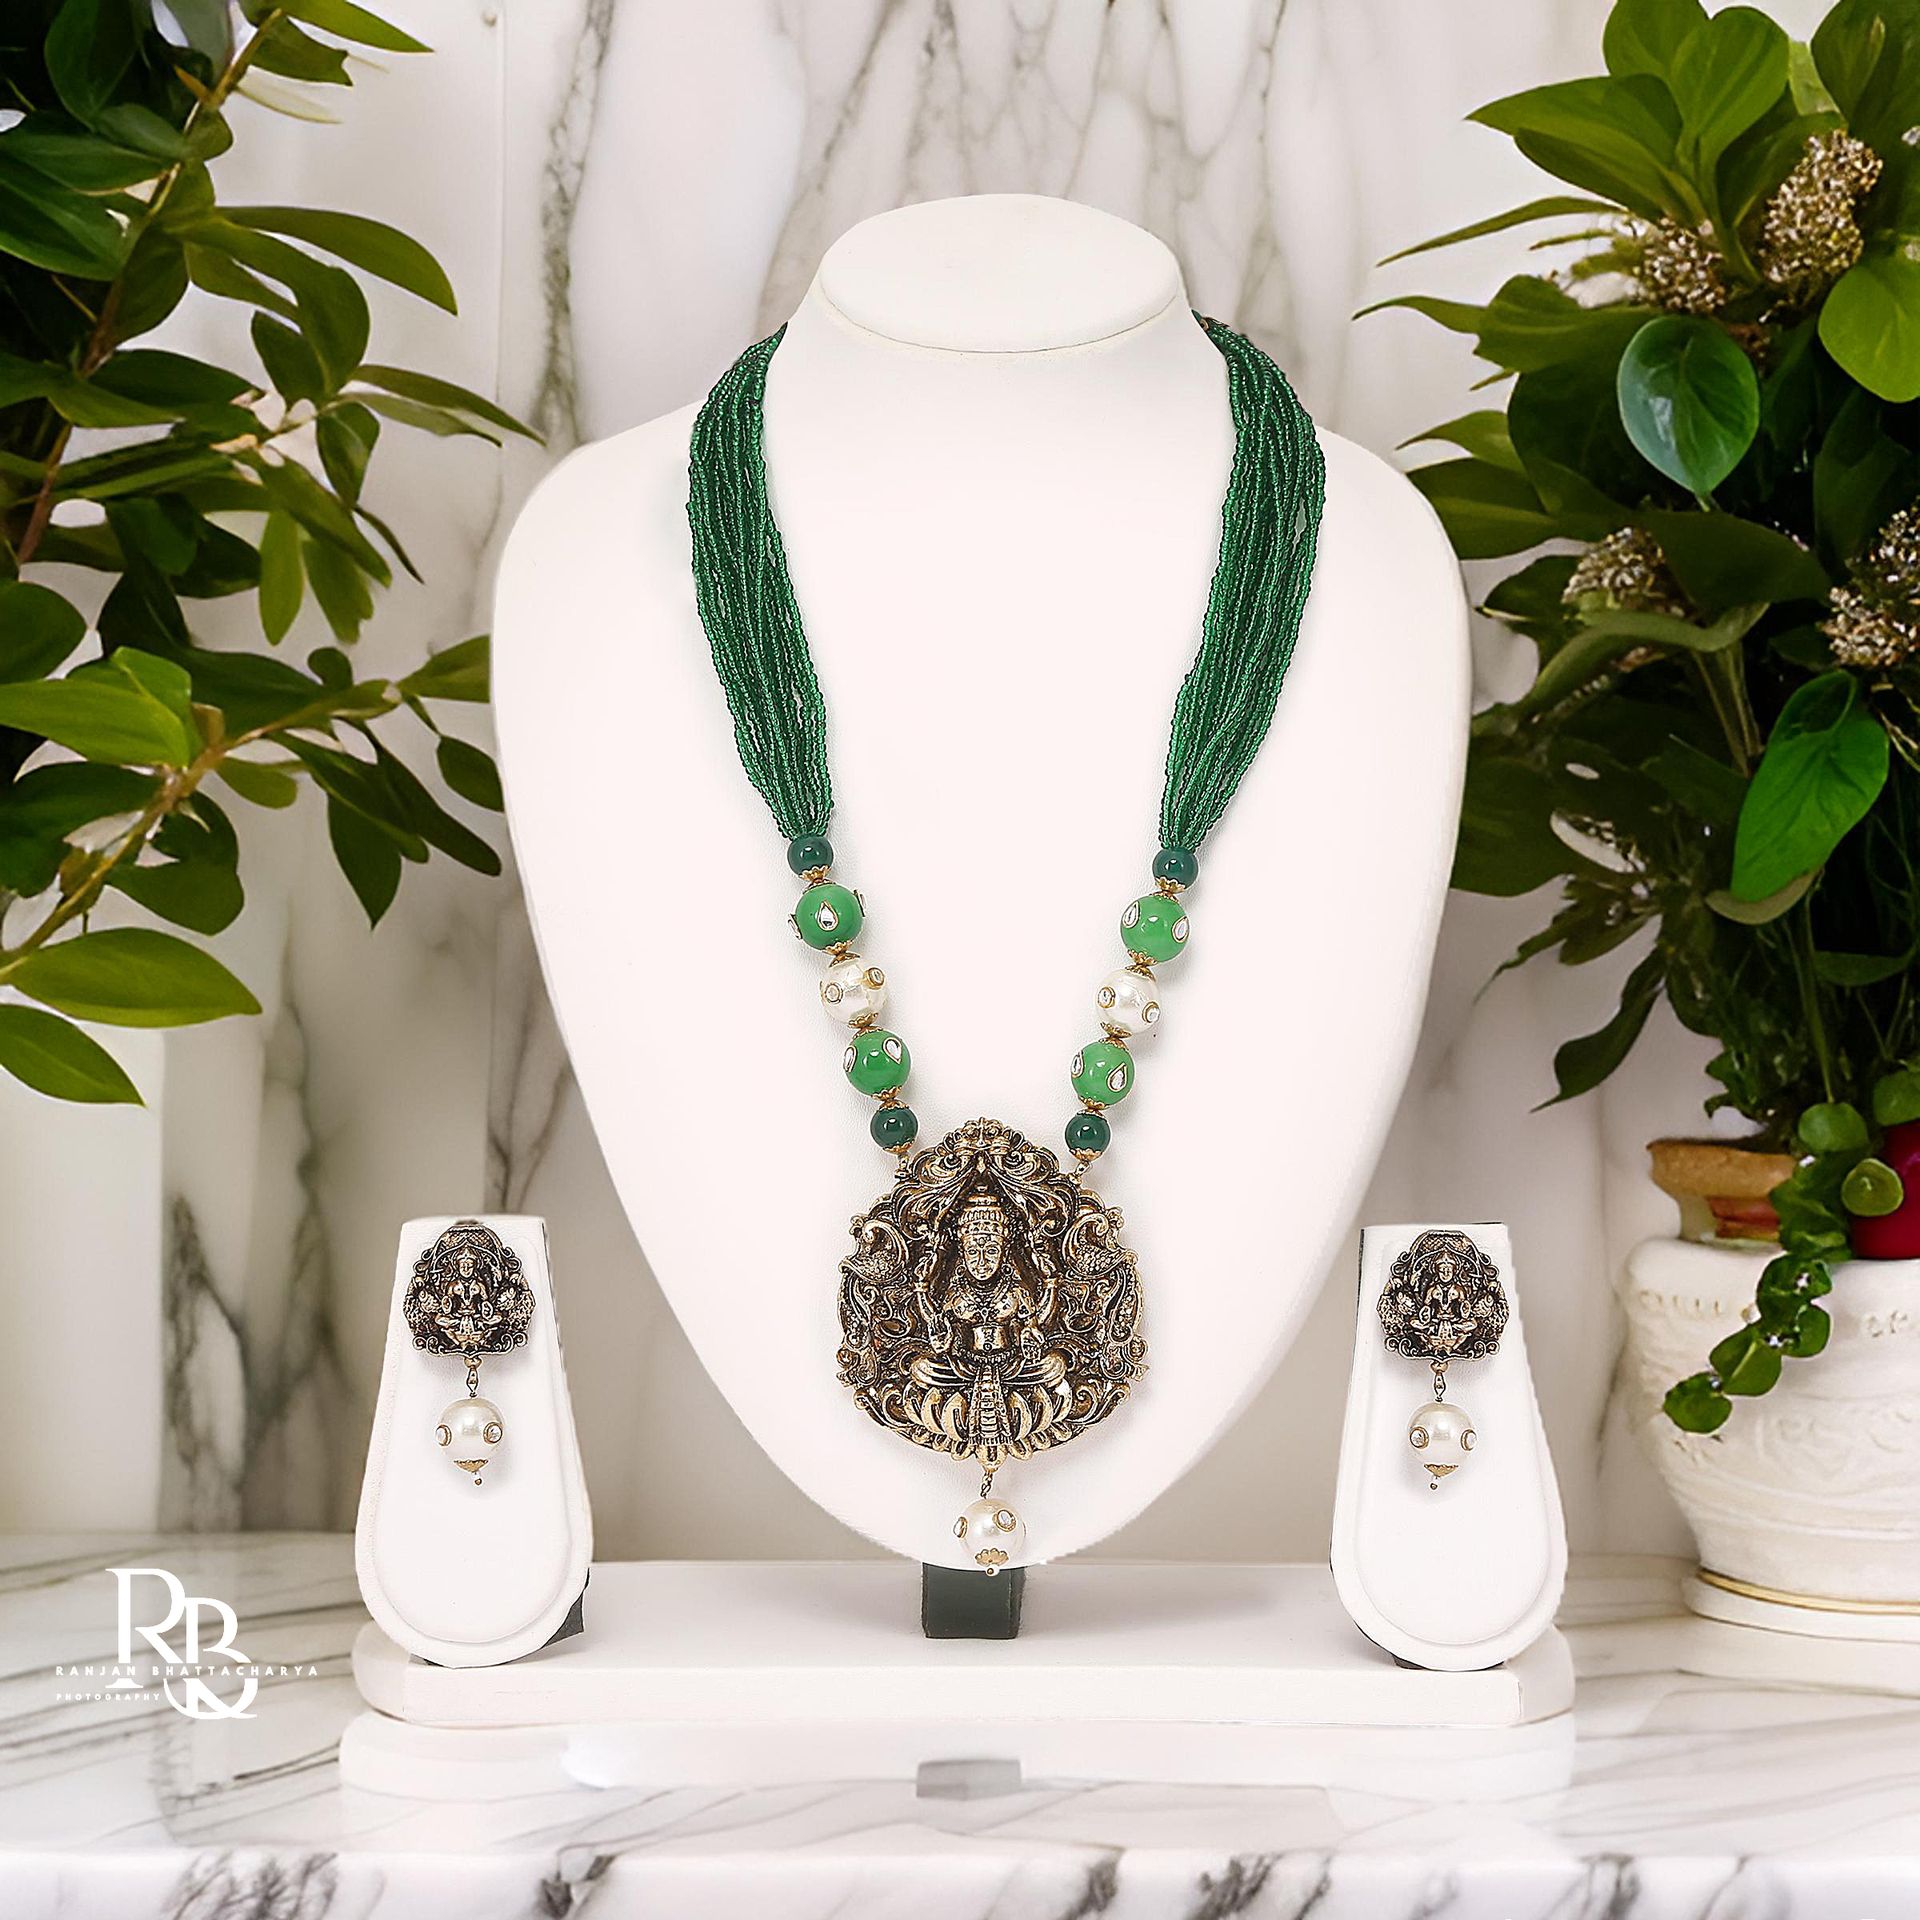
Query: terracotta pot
x=1722 y=1187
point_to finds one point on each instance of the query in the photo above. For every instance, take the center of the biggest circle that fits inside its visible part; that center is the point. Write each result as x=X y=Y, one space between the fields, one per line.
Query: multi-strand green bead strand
x=1269 y=528
x=1152 y=930
x=828 y=917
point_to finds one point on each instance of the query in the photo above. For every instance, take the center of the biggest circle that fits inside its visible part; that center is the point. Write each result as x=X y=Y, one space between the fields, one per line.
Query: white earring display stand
x=997 y=444
x=459 y=1574
x=1467 y=1574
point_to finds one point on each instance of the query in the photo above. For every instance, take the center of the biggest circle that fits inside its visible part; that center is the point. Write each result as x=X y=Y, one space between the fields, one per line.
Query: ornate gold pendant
x=989 y=1310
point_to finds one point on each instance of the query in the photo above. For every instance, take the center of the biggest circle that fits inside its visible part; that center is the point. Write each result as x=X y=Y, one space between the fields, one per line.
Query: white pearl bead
x=992 y=1533
x=853 y=990
x=470 y=1430
x=1129 y=1003
x=1441 y=1435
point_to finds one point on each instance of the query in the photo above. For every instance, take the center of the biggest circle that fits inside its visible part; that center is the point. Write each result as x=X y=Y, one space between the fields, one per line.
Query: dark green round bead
x=893 y=1127
x=1176 y=864
x=808 y=851
x=1088 y=1133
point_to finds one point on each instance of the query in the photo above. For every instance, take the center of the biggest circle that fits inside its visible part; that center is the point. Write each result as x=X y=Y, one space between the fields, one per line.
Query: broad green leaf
x=1872 y=1189
x=1832 y=1126
x=339 y=587
x=1531 y=324
x=265 y=786
x=1871 y=325
x=283 y=583
x=1896 y=1097
x=1868 y=53
x=1569 y=440
x=292 y=366
x=1722 y=561
x=436 y=392
x=1859 y=969
x=367 y=856
x=38 y=630
x=1824 y=765
x=50 y=144
x=1746 y=1362
x=458 y=672
x=469 y=771
x=1689 y=398
x=1862 y=476
x=1612 y=136
x=46 y=805
x=1709 y=789
x=1812 y=1328
x=201 y=895
x=1580 y=1065
x=87 y=50
x=48 y=226
x=101 y=713
x=1487 y=510
x=54 y=1057
x=1553 y=207
x=371 y=245
x=130 y=977
x=350 y=22
x=1696 y=1405
x=1644 y=36
x=1723 y=78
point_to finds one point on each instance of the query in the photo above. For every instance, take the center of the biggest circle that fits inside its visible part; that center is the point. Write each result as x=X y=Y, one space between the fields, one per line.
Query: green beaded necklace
x=936 y=1275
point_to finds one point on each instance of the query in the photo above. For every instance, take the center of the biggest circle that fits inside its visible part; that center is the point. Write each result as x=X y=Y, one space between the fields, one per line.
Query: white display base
x=736 y=1673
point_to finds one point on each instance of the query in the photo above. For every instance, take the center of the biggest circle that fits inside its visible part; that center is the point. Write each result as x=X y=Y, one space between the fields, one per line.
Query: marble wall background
x=625 y=191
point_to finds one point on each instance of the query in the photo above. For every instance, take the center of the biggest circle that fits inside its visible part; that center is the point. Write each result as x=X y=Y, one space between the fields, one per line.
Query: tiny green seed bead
x=1088 y=1134
x=1103 y=1071
x=1177 y=866
x=876 y=1061
x=827 y=915
x=807 y=851
x=1155 y=927
x=894 y=1127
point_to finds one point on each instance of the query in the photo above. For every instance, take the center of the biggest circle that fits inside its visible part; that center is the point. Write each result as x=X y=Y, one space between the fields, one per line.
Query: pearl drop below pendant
x=1441 y=1436
x=992 y=1532
x=470 y=1430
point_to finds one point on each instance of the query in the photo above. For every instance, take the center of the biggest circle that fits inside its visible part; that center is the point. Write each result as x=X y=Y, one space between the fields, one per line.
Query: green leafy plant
x=174 y=481
x=1710 y=421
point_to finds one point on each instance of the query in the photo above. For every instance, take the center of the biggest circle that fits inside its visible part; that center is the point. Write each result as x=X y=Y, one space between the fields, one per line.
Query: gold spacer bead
x=1142 y=963
x=1085 y=1155
x=1093 y=1106
x=891 y=1098
x=841 y=949
x=1168 y=887
x=862 y=1024
x=814 y=875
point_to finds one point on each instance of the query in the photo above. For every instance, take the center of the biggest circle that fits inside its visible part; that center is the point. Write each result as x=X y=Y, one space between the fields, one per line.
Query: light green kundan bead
x=1154 y=927
x=828 y=915
x=1103 y=1072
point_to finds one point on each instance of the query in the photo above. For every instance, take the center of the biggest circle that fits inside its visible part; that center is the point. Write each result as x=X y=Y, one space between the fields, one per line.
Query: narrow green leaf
x=201 y=895
x=459 y=672
x=371 y=245
x=283 y=581
x=1553 y=207
x=436 y=392
x=1507 y=844
x=54 y=1057
x=367 y=856
x=48 y=226
x=1758 y=913
x=1487 y=510
x=1859 y=969
x=100 y=714
x=263 y=785
x=131 y=977
x=1581 y=1064
x=292 y=366
x=353 y=23
x=1613 y=136
x=470 y=772
x=1824 y=765
x=1483 y=434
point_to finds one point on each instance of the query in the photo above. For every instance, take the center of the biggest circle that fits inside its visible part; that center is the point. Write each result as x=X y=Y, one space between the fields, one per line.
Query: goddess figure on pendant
x=989 y=1311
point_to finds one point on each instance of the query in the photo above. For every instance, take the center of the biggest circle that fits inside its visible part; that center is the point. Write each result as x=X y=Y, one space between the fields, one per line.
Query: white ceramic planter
x=1812 y=1490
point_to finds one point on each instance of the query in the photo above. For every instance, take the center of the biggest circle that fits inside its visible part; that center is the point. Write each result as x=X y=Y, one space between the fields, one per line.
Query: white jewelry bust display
x=997 y=447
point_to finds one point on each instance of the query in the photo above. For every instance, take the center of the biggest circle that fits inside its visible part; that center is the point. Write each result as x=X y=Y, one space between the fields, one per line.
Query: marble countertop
x=1708 y=1799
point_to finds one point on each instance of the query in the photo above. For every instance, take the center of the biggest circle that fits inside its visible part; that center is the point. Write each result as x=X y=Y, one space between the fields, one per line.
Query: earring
x=1442 y=1303
x=469 y=1298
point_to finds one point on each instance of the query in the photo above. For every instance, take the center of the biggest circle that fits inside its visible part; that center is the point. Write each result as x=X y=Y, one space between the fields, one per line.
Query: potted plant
x=1708 y=445
x=161 y=482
